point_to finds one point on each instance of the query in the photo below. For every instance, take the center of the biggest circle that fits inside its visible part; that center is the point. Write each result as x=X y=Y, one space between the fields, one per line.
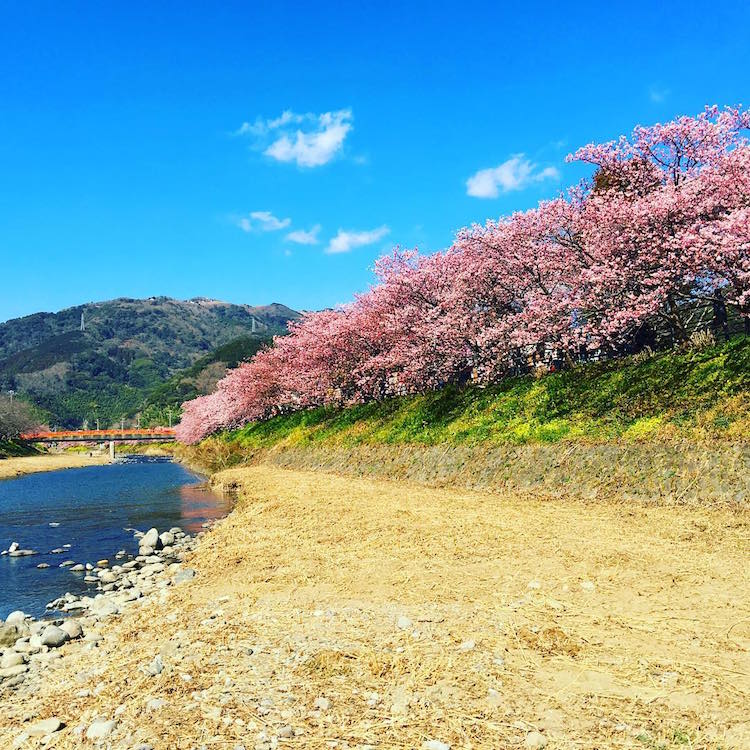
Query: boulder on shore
x=72 y=628
x=45 y=727
x=10 y=633
x=151 y=539
x=53 y=636
x=16 y=618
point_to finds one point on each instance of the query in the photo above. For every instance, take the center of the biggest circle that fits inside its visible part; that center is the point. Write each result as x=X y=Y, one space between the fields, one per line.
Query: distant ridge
x=128 y=348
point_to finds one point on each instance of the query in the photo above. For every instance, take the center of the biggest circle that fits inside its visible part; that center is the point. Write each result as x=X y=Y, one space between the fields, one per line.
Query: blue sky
x=145 y=150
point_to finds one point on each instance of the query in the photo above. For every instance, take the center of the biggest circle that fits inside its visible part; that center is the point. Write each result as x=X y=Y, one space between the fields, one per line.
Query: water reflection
x=88 y=514
x=200 y=504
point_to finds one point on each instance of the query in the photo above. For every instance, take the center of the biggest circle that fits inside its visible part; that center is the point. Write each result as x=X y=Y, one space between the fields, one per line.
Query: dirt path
x=336 y=612
x=16 y=467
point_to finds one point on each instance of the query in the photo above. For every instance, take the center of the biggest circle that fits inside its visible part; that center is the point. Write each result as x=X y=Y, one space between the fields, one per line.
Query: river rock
x=42 y=566
x=156 y=667
x=11 y=659
x=9 y=634
x=44 y=727
x=53 y=636
x=184 y=575
x=16 y=617
x=73 y=628
x=13 y=547
x=102 y=607
x=166 y=538
x=10 y=672
x=24 y=646
x=22 y=553
x=403 y=623
x=435 y=745
x=535 y=741
x=151 y=539
x=100 y=729
x=78 y=568
x=145 y=551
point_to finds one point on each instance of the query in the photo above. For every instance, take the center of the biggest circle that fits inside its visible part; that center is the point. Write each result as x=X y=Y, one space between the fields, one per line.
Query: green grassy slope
x=695 y=394
x=11 y=448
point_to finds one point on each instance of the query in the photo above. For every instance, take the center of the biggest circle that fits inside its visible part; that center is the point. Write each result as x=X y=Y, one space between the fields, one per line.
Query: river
x=90 y=509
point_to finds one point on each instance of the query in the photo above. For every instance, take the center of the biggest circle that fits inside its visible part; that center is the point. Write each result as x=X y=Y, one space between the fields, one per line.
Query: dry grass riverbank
x=343 y=612
x=18 y=466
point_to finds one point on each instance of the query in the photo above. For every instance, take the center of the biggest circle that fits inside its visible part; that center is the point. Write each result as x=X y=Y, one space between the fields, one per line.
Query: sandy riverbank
x=16 y=467
x=350 y=613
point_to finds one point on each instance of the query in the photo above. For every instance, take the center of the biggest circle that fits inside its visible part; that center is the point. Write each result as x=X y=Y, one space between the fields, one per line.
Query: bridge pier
x=111 y=450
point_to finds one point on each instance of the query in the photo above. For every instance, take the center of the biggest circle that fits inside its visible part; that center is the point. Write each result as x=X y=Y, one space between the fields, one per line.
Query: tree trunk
x=720 y=322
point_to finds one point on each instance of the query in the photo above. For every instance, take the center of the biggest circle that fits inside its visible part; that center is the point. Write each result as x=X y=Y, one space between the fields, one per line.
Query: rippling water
x=93 y=506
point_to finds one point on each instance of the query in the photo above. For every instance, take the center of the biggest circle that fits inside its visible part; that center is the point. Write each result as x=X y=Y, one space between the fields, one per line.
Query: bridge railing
x=62 y=435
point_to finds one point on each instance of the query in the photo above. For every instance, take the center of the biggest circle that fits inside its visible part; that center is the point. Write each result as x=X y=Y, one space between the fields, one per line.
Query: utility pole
x=169 y=412
x=122 y=424
x=12 y=393
x=83 y=322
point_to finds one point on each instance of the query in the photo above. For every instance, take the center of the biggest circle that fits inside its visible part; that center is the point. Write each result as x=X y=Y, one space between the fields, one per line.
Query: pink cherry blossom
x=661 y=228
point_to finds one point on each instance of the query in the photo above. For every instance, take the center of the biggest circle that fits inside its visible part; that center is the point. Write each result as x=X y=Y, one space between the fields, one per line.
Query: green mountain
x=112 y=360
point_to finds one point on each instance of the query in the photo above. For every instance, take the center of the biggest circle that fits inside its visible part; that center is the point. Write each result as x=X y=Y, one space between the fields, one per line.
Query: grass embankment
x=674 y=427
x=15 y=448
x=674 y=394
x=598 y=625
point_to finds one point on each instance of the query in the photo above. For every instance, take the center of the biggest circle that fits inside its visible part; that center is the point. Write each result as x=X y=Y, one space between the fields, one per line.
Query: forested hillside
x=102 y=361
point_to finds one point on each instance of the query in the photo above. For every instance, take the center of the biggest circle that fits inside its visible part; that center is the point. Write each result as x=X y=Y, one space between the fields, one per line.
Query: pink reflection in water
x=199 y=505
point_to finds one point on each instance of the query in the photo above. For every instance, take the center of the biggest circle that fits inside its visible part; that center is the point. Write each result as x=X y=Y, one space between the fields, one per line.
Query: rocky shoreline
x=29 y=646
x=333 y=612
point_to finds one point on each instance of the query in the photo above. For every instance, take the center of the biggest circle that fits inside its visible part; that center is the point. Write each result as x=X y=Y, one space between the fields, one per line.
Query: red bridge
x=160 y=434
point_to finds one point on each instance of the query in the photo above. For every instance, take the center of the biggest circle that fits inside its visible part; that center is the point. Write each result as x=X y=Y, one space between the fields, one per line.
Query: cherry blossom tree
x=660 y=230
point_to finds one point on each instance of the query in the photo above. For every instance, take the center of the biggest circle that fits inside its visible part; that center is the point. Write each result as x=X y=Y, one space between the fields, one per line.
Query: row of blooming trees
x=661 y=230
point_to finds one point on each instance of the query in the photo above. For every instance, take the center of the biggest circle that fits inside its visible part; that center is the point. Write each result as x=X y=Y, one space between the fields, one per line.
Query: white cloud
x=301 y=237
x=263 y=221
x=516 y=173
x=345 y=241
x=658 y=94
x=260 y=126
x=309 y=140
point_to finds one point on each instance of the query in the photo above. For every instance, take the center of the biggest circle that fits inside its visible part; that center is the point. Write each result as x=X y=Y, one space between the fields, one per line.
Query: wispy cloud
x=262 y=221
x=302 y=237
x=658 y=94
x=516 y=173
x=309 y=140
x=345 y=241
